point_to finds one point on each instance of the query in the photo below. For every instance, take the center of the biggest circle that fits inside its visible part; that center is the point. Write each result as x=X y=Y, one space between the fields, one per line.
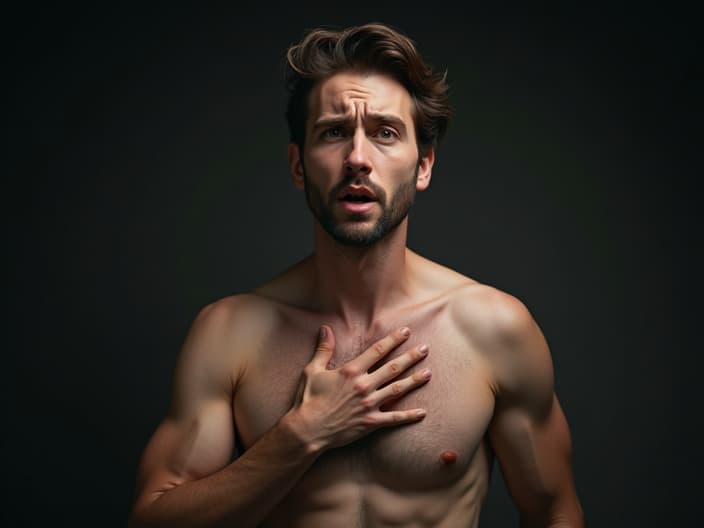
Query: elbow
x=146 y=509
x=570 y=516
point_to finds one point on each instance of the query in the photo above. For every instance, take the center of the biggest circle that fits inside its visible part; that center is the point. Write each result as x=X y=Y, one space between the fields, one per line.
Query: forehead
x=350 y=92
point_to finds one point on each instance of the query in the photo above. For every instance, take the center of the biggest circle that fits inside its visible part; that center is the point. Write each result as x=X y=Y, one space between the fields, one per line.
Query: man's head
x=365 y=113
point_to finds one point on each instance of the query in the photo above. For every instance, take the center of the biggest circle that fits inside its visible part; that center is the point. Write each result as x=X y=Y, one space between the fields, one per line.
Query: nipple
x=448 y=457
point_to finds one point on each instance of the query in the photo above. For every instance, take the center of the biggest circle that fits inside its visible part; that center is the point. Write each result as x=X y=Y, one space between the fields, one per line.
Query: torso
x=395 y=476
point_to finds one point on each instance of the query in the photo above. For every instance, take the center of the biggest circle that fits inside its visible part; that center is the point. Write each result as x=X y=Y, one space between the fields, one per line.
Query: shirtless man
x=366 y=386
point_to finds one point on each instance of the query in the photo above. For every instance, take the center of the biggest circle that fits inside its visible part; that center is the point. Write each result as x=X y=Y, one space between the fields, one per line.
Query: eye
x=386 y=134
x=333 y=133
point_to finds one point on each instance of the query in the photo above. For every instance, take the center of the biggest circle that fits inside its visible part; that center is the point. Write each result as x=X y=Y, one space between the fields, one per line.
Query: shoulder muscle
x=214 y=353
x=502 y=328
x=197 y=436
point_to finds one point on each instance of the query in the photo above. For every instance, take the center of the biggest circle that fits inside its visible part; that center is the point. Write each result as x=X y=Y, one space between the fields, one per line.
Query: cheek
x=398 y=160
x=322 y=164
x=399 y=168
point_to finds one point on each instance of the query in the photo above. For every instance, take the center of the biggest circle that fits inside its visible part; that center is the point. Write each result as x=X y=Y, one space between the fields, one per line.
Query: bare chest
x=458 y=401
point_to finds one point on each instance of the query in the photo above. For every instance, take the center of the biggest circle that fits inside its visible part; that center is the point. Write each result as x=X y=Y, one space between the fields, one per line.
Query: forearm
x=241 y=494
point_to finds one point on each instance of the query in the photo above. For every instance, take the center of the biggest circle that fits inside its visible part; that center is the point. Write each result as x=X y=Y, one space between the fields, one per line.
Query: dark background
x=146 y=176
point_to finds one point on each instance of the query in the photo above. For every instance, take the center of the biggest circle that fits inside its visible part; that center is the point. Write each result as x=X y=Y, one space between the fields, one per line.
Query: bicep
x=184 y=449
x=534 y=452
x=197 y=437
x=529 y=432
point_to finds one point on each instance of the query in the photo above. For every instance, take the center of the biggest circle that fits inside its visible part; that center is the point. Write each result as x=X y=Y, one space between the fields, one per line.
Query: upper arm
x=529 y=432
x=197 y=436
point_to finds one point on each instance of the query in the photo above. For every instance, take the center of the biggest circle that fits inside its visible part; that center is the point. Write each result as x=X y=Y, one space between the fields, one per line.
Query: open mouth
x=356 y=195
x=356 y=198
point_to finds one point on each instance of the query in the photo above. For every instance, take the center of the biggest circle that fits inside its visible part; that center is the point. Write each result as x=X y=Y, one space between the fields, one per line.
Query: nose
x=357 y=160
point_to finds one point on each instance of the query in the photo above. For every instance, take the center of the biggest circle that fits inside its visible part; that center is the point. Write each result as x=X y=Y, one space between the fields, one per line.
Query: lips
x=356 y=200
x=356 y=195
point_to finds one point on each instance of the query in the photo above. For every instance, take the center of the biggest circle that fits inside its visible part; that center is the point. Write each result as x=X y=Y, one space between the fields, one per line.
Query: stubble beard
x=352 y=233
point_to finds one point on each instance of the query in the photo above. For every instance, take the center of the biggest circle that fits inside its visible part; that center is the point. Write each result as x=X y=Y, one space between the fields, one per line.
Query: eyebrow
x=392 y=119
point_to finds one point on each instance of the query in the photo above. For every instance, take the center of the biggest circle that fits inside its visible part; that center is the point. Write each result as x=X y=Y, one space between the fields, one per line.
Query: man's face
x=361 y=167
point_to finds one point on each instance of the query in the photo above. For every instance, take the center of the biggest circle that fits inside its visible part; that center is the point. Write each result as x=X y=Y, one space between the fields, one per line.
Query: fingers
x=378 y=350
x=393 y=368
x=381 y=419
x=398 y=388
x=324 y=348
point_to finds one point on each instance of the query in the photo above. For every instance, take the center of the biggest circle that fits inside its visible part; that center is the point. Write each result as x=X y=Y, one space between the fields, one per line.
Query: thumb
x=324 y=348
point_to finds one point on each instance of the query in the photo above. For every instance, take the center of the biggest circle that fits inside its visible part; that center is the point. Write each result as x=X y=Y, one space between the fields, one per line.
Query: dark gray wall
x=146 y=177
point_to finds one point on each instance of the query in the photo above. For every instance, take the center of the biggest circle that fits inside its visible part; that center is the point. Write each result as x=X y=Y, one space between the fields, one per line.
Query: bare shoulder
x=483 y=311
x=233 y=313
x=216 y=350
x=489 y=313
x=503 y=330
x=235 y=325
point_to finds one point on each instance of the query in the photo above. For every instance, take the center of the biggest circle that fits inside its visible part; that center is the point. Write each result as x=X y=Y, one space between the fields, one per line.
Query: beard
x=354 y=233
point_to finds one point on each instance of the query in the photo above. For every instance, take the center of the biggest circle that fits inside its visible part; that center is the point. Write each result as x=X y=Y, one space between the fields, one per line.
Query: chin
x=358 y=236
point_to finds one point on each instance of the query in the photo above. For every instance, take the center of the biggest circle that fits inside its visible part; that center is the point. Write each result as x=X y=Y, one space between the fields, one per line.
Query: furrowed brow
x=391 y=119
x=329 y=122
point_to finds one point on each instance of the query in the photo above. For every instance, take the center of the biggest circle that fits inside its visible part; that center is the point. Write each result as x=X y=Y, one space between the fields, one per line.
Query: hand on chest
x=457 y=398
x=443 y=446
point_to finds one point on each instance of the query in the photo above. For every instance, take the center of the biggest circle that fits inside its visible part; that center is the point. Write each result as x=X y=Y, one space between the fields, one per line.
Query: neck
x=358 y=283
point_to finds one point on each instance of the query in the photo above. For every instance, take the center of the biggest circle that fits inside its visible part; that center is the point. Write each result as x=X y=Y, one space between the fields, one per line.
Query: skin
x=341 y=418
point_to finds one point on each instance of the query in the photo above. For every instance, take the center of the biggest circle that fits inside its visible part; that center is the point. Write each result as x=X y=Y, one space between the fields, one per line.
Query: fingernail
x=423 y=349
x=323 y=332
x=405 y=331
x=426 y=374
x=420 y=412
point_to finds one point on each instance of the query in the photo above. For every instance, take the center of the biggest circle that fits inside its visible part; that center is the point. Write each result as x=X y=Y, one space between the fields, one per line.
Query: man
x=364 y=386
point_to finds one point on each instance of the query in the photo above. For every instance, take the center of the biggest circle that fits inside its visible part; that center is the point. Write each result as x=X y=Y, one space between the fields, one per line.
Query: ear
x=425 y=169
x=295 y=165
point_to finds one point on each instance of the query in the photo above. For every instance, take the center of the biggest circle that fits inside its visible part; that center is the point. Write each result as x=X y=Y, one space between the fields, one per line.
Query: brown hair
x=373 y=47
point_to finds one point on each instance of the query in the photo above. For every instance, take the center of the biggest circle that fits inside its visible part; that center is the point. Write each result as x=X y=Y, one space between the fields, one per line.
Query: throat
x=360 y=282
x=361 y=299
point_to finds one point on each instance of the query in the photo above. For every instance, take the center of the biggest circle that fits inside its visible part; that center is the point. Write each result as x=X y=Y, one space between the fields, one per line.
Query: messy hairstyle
x=371 y=47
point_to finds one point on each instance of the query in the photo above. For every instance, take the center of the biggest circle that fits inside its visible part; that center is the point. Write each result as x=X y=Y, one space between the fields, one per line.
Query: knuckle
x=396 y=389
x=367 y=404
x=360 y=387
x=370 y=422
x=379 y=349
x=323 y=347
x=348 y=371
x=394 y=367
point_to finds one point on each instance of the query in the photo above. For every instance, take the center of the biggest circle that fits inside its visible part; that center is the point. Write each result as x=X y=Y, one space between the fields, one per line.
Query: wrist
x=301 y=434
